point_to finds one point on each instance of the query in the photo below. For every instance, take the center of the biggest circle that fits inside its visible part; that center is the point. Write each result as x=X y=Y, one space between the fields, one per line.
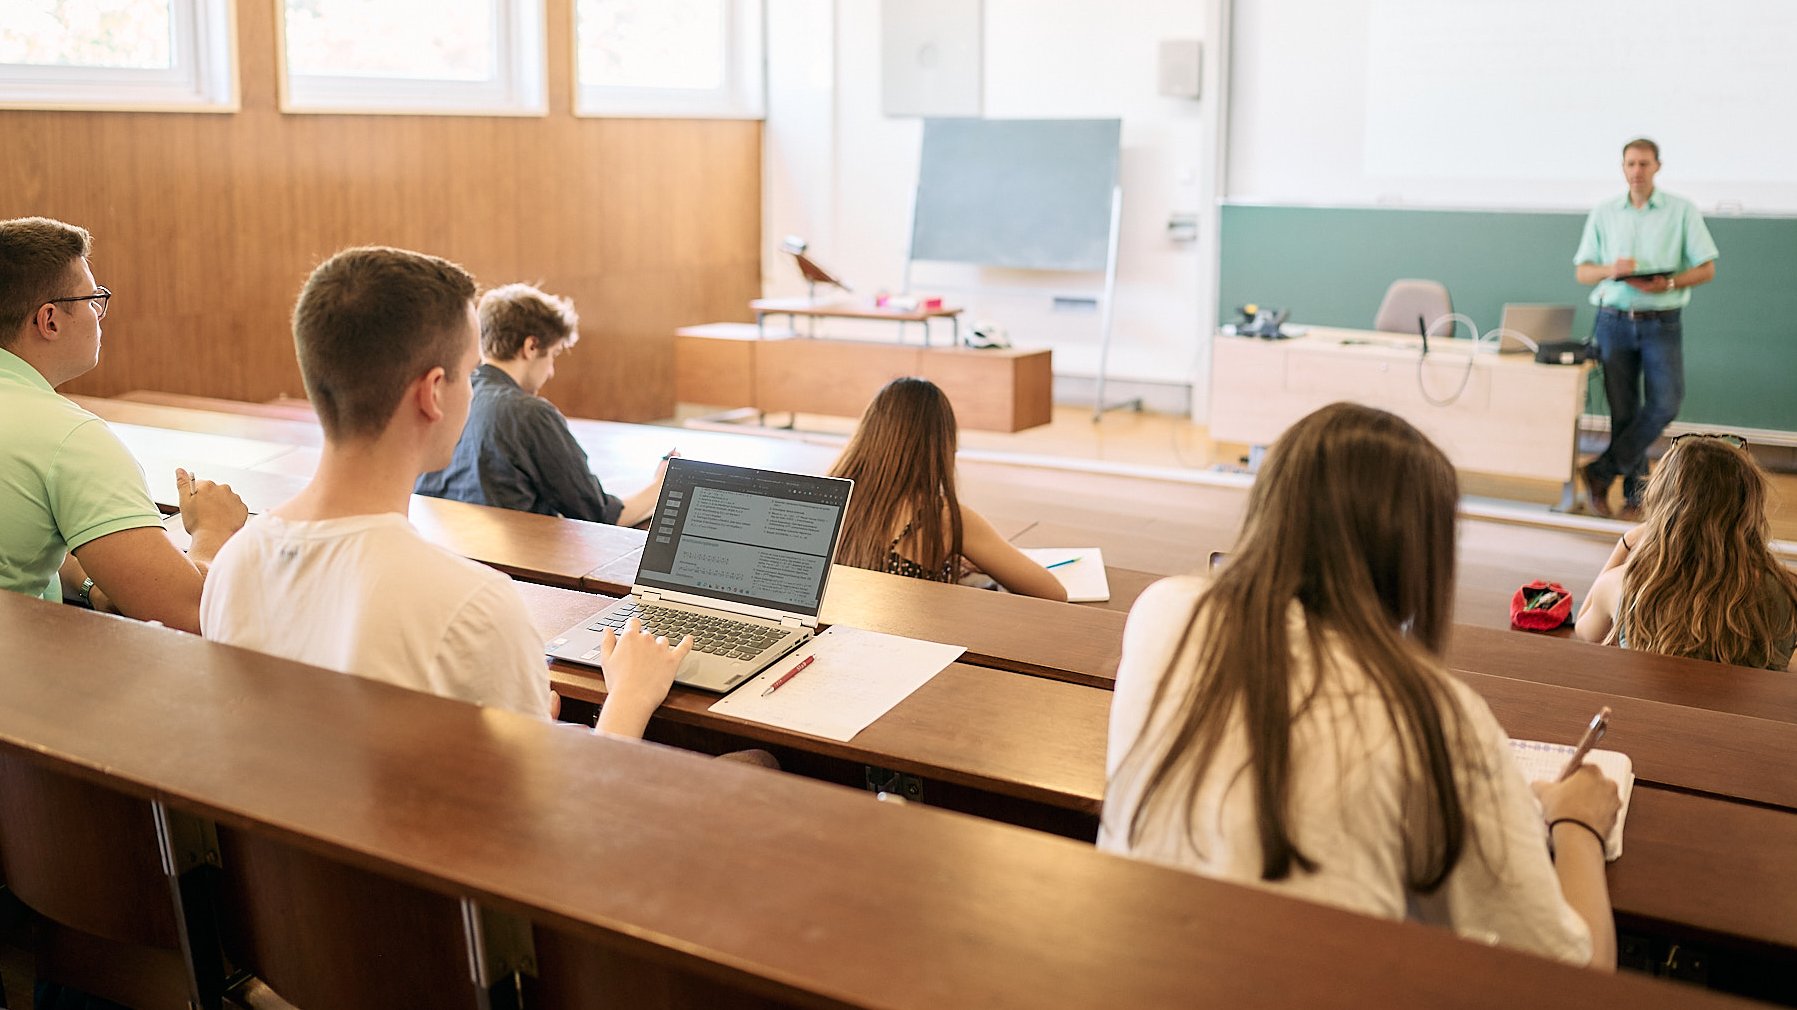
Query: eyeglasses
x=1734 y=440
x=99 y=298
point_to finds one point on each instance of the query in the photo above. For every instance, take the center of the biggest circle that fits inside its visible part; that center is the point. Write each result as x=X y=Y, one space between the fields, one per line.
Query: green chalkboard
x=1330 y=266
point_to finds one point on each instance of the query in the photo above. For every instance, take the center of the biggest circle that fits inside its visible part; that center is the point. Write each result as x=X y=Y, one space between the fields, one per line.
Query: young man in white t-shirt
x=338 y=577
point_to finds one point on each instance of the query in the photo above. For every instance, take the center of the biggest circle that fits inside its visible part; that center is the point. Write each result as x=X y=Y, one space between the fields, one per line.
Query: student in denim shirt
x=516 y=451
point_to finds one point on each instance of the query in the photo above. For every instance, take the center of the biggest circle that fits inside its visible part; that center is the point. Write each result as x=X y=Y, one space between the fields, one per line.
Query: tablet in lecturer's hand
x=1654 y=276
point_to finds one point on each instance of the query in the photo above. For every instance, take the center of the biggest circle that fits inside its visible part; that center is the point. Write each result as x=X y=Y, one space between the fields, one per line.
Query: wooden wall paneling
x=207 y=225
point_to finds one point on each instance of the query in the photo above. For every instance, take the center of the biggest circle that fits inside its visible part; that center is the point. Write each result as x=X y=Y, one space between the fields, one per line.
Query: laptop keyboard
x=718 y=636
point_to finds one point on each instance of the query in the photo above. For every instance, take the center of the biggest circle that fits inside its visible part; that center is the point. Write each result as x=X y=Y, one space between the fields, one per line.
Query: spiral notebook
x=1543 y=762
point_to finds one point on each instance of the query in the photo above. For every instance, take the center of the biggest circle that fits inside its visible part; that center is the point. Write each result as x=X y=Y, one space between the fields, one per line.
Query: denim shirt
x=516 y=452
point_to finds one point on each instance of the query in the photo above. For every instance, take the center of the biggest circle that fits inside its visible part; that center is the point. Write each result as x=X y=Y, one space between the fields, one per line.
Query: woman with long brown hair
x=1696 y=578
x=1290 y=723
x=905 y=516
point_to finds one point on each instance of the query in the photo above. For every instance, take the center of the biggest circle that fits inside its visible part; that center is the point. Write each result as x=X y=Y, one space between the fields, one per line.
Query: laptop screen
x=733 y=533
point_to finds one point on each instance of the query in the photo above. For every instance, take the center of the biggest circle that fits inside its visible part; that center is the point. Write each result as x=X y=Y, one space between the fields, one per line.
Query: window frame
x=203 y=76
x=519 y=86
x=743 y=94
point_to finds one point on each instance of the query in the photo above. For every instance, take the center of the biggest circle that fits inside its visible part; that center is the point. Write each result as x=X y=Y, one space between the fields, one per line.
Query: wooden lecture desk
x=686 y=882
x=1027 y=503
x=1031 y=751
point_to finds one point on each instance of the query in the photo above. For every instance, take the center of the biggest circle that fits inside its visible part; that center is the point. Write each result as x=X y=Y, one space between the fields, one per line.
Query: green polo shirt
x=65 y=480
x=1667 y=234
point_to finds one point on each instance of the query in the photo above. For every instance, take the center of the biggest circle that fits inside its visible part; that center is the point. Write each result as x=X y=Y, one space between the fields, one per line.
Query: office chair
x=1407 y=299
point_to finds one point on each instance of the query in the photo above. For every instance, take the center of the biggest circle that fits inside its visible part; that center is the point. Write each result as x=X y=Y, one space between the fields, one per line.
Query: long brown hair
x=902 y=460
x=1352 y=519
x=1697 y=582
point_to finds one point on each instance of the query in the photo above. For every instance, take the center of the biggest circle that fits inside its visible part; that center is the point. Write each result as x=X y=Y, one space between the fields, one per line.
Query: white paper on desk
x=195 y=449
x=1084 y=579
x=1543 y=762
x=858 y=677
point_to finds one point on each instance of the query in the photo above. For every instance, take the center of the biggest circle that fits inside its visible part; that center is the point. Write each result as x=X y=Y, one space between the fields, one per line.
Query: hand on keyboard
x=711 y=633
x=638 y=669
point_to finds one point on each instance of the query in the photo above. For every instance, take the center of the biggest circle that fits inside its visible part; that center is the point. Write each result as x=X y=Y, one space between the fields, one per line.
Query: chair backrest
x=1407 y=299
x=88 y=859
x=573 y=974
x=321 y=933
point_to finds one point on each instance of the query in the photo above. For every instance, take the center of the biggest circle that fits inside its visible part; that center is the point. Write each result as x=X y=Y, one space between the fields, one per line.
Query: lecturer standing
x=1644 y=251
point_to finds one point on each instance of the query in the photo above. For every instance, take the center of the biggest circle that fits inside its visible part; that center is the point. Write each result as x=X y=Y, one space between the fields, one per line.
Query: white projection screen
x=1512 y=103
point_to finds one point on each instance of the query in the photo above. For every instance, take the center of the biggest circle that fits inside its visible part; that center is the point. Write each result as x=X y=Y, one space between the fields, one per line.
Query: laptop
x=1544 y=324
x=738 y=558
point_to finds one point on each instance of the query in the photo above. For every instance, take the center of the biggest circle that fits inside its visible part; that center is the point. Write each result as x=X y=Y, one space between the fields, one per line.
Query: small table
x=793 y=308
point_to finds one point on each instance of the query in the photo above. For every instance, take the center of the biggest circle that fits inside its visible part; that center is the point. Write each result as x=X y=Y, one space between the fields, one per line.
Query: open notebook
x=1542 y=762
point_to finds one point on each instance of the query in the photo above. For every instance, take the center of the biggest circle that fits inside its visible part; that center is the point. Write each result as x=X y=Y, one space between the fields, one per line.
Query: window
x=450 y=57
x=117 y=54
x=697 y=58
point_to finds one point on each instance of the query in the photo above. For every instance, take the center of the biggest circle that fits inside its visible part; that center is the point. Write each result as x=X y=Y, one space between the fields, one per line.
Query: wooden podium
x=775 y=371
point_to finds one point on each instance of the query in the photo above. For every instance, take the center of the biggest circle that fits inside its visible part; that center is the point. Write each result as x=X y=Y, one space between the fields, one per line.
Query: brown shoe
x=1597 y=491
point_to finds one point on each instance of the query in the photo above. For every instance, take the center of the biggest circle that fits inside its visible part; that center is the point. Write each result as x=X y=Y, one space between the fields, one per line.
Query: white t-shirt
x=1348 y=784
x=367 y=595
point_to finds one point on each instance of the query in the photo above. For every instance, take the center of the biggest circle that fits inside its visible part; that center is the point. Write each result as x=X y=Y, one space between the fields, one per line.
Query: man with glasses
x=1644 y=251
x=76 y=519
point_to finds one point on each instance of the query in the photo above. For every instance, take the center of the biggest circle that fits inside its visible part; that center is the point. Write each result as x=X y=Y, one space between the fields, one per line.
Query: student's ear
x=428 y=393
x=533 y=348
x=45 y=322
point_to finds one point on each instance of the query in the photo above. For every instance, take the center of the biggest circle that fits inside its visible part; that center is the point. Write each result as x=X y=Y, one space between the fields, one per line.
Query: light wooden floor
x=1174 y=442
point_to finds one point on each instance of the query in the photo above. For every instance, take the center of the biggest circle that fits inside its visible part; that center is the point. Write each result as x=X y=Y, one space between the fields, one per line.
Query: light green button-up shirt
x=65 y=480
x=1666 y=234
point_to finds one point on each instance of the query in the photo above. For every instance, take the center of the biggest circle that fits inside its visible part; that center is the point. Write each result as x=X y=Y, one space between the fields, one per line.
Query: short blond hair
x=371 y=320
x=35 y=256
x=513 y=312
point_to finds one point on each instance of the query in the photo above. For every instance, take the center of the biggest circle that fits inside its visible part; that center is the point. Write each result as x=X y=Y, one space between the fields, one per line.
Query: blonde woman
x=1696 y=578
x=1291 y=724
x=905 y=517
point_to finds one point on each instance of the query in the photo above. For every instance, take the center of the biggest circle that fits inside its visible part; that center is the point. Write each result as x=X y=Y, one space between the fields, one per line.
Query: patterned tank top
x=898 y=564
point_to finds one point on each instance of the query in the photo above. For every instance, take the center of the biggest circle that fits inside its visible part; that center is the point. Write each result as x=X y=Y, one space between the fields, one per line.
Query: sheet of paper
x=1543 y=762
x=1084 y=578
x=858 y=677
x=194 y=449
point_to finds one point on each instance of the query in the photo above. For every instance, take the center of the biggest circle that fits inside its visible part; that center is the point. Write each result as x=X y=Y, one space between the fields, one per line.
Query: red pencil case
x=1540 y=606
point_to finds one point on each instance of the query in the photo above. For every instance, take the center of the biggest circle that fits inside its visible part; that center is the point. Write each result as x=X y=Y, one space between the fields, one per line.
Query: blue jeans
x=1639 y=356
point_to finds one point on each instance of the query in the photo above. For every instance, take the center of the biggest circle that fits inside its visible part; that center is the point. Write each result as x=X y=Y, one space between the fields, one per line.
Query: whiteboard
x=1511 y=103
x=1030 y=194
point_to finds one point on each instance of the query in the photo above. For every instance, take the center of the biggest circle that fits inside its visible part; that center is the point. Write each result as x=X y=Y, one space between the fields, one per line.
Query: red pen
x=790 y=674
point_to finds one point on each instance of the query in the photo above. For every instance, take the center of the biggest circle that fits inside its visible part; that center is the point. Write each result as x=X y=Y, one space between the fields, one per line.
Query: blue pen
x=1058 y=564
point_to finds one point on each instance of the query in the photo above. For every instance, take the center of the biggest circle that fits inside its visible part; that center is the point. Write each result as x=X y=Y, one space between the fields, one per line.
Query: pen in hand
x=790 y=674
x=1600 y=724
